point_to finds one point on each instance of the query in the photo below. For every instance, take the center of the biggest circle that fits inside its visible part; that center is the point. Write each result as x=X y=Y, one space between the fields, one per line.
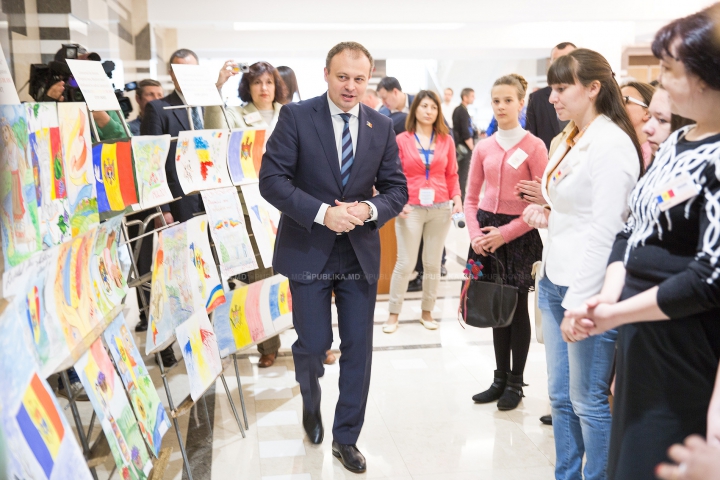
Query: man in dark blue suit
x=322 y=161
x=158 y=121
x=396 y=104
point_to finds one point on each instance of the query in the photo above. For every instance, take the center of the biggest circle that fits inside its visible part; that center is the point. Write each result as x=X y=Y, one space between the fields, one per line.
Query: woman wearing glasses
x=637 y=96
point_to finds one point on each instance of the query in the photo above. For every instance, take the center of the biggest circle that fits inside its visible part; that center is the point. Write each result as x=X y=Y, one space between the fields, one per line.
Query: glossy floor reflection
x=420 y=424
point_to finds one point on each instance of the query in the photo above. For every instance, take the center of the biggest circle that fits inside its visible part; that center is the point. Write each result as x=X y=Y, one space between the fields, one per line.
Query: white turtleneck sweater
x=509 y=138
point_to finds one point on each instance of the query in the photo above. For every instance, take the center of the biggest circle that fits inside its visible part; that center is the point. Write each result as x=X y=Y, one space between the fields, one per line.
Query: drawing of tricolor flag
x=40 y=424
x=665 y=196
x=280 y=300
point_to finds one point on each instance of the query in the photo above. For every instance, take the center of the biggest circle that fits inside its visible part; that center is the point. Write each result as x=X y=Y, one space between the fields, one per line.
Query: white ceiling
x=450 y=29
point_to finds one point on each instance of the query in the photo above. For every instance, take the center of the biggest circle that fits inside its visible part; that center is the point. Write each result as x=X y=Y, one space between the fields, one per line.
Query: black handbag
x=488 y=304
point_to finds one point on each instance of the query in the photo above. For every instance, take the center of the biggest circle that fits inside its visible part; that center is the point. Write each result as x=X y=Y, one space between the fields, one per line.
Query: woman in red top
x=496 y=228
x=427 y=153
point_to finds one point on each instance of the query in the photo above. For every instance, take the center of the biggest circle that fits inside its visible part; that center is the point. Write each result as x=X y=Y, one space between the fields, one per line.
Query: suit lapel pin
x=369 y=124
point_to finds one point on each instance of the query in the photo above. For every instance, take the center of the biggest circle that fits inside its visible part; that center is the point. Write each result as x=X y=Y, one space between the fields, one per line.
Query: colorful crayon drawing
x=171 y=298
x=27 y=283
x=19 y=216
x=149 y=410
x=105 y=390
x=149 y=156
x=199 y=347
x=264 y=220
x=114 y=176
x=228 y=231
x=70 y=297
x=253 y=314
x=245 y=150
x=42 y=443
x=209 y=287
x=108 y=281
x=81 y=194
x=49 y=173
x=201 y=160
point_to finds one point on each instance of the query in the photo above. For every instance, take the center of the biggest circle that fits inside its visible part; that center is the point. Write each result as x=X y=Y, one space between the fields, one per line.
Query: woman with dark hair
x=637 y=96
x=662 y=121
x=288 y=76
x=662 y=287
x=263 y=92
x=498 y=233
x=427 y=153
x=586 y=184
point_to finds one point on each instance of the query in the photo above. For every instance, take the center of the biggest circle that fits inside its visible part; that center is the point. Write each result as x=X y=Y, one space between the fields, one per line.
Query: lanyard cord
x=426 y=153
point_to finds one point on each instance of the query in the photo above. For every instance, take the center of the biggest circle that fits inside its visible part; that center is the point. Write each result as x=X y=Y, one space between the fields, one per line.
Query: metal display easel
x=144 y=283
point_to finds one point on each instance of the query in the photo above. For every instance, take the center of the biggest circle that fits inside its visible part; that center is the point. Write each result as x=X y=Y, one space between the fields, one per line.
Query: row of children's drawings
x=54 y=184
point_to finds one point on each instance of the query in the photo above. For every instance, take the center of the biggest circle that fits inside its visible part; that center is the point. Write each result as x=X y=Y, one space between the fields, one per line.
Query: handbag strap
x=462 y=306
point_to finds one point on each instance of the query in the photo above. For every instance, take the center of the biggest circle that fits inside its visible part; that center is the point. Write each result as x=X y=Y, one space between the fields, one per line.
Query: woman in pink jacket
x=497 y=229
x=427 y=153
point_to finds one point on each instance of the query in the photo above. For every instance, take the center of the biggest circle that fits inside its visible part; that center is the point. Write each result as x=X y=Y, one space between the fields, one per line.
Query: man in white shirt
x=448 y=106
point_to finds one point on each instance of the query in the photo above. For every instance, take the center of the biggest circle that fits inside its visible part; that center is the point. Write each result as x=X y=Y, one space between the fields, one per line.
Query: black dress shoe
x=443 y=271
x=313 y=426
x=142 y=325
x=168 y=358
x=546 y=419
x=350 y=457
x=415 y=285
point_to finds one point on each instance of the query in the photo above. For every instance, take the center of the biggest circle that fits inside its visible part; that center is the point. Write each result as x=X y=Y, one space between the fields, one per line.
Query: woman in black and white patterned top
x=662 y=287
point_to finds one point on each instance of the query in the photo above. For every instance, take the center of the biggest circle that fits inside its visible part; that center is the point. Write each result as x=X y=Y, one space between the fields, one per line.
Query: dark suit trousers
x=355 y=301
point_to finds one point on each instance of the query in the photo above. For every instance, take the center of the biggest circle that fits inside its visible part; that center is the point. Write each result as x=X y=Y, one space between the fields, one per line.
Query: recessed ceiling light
x=277 y=26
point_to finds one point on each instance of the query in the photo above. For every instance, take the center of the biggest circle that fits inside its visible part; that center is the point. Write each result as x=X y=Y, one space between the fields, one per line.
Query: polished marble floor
x=420 y=424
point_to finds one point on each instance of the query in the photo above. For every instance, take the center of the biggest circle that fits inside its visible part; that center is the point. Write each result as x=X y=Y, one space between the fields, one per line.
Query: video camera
x=43 y=77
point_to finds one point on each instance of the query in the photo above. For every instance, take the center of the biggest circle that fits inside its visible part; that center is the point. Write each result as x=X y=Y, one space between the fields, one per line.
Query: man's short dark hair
x=564 y=45
x=389 y=84
x=353 y=47
x=183 y=53
x=148 y=82
x=465 y=92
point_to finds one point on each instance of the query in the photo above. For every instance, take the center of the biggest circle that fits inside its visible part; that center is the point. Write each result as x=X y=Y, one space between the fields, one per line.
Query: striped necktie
x=196 y=118
x=347 y=150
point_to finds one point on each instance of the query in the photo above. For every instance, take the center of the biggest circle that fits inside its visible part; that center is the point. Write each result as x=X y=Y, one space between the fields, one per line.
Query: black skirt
x=664 y=382
x=517 y=256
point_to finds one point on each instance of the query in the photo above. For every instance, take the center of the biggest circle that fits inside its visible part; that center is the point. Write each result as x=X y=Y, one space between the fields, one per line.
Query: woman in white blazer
x=263 y=92
x=586 y=184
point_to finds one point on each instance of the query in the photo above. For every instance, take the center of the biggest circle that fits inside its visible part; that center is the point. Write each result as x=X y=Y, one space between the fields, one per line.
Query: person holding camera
x=108 y=124
x=500 y=240
x=428 y=159
x=263 y=91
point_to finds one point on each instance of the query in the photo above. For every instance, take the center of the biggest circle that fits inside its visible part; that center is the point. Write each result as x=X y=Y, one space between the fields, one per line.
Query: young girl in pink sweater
x=496 y=228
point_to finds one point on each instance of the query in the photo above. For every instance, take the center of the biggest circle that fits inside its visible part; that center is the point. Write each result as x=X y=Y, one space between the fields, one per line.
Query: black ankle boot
x=495 y=391
x=513 y=393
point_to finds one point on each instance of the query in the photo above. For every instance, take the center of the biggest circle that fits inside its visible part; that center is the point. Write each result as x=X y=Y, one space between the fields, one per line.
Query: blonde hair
x=514 y=80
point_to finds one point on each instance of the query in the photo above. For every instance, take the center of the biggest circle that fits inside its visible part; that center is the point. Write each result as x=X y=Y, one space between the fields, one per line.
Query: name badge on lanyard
x=427 y=194
x=676 y=191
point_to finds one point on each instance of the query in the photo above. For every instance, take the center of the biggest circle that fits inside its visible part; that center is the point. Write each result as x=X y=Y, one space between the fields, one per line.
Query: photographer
x=109 y=125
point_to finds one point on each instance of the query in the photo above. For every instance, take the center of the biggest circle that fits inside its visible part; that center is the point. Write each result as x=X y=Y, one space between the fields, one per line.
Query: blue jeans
x=578 y=383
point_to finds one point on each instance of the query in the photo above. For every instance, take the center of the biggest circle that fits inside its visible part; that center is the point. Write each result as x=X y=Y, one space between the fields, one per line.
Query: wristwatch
x=371 y=211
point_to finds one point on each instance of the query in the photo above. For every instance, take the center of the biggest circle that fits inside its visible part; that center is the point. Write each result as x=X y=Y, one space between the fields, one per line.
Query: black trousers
x=355 y=301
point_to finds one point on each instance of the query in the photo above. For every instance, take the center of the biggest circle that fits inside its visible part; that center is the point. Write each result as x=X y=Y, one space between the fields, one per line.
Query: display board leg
x=78 y=422
x=92 y=424
x=207 y=415
x=159 y=361
x=240 y=391
x=232 y=404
